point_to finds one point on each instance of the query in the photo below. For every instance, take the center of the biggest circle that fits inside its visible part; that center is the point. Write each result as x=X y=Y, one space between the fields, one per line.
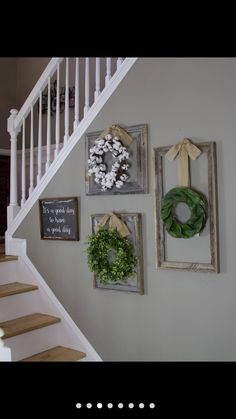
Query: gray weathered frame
x=137 y=220
x=139 y=133
x=213 y=266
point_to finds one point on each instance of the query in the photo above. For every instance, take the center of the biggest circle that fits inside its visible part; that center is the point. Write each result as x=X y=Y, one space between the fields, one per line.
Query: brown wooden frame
x=75 y=199
x=213 y=266
x=139 y=255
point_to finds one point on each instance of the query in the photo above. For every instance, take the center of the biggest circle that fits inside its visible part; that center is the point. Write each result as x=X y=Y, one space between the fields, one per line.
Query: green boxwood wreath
x=99 y=245
x=197 y=206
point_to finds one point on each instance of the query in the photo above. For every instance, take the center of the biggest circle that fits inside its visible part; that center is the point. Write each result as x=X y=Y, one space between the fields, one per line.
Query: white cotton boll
x=108 y=137
x=99 y=160
x=119 y=183
x=124 y=177
x=114 y=154
x=100 y=141
x=121 y=158
x=90 y=172
x=1 y=333
x=125 y=166
x=92 y=158
x=102 y=167
x=100 y=152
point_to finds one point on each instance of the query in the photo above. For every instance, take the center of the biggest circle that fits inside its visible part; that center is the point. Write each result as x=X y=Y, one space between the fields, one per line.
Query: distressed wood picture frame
x=134 y=224
x=158 y=167
x=138 y=172
x=59 y=218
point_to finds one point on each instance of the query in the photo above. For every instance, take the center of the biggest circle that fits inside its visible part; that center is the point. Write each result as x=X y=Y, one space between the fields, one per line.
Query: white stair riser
x=9 y=272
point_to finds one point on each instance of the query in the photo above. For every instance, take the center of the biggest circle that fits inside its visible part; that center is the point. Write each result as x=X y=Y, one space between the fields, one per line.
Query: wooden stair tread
x=27 y=323
x=15 y=288
x=59 y=353
x=6 y=258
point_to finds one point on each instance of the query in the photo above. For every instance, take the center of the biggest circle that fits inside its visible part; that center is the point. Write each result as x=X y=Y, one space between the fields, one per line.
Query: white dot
x=78 y=405
x=99 y=405
x=110 y=405
x=141 y=405
x=89 y=405
x=131 y=405
x=120 y=405
x=151 y=405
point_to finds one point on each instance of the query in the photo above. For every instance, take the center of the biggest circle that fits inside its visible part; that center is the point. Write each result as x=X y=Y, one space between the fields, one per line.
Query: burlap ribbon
x=114 y=222
x=117 y=131
x=185 y=149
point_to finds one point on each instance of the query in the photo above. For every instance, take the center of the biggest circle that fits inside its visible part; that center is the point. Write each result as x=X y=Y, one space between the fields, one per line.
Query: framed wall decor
x=197 y=252
x=135 y=284
x=131 y=174
x=59 y=218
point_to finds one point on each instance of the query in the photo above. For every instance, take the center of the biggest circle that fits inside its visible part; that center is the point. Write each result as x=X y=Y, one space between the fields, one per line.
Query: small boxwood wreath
x=197 y=206
x=99 y=245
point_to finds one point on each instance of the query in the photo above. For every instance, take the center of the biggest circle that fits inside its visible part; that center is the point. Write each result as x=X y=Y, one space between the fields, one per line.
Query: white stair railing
x=64 y=101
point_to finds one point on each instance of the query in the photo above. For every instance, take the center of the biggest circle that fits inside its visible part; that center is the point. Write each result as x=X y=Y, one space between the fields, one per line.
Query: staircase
x=21 y=332
x=36 y=326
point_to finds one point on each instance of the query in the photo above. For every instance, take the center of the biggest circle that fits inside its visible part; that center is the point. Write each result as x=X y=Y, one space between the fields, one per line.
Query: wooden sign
x=59 y=218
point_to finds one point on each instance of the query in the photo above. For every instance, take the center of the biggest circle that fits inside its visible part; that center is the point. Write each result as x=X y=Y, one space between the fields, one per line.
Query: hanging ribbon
x=114 y=222
x=185 y=149
x=117 y=131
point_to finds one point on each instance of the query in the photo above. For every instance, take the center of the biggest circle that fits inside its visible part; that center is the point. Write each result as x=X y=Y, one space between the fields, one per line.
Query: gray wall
x=182 y=316
x=8 y=68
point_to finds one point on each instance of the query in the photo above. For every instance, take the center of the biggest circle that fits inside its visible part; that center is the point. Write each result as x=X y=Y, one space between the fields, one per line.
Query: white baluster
x=48 y=162
x=31 y=188
x=97 y=81
x=119 y=62
x=76 y=121
x=66 y=136
x=13 y=207
x=86 y=106
x=108 y=70
x=40 y=139
x=23 y=165
x=58 y=112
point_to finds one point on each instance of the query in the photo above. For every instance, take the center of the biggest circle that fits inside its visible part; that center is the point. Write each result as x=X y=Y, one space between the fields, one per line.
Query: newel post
x=13 y=207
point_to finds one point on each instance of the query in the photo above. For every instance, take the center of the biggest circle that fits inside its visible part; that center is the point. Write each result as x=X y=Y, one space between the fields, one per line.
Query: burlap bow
x=185 y=149
x=117 y=131
x=114 y=222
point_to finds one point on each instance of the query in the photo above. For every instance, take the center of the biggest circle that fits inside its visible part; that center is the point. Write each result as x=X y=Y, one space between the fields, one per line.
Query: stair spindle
x=40 y=139
x=58 y=112
x=31 y=188
x=66 y=136
x=48 y=162
x=97 y=81
x=119 y=62
x=23 y=165
x=108 y=71
x=86 y=106
x=76 y=121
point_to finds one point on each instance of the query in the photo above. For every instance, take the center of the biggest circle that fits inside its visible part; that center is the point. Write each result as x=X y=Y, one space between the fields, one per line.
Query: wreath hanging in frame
x=196 y=203
x=109 y=252
x=113 y=140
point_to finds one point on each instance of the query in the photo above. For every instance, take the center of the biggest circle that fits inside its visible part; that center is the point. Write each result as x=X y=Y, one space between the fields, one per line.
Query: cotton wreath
x=117 y=176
